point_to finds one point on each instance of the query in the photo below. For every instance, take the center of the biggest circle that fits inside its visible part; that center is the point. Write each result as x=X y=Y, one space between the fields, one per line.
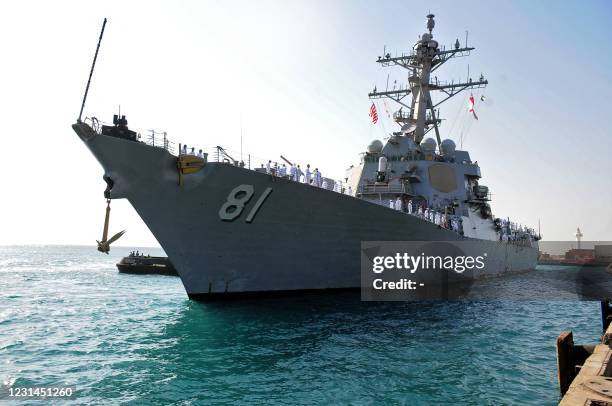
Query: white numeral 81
x=236 y=200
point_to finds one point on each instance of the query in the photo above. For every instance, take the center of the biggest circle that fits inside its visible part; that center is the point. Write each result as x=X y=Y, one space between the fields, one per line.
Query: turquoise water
x=67 y=317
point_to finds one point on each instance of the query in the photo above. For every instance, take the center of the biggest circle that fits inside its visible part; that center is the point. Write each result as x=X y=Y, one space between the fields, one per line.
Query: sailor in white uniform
x=317 y=177
x=307 y=175
x=350 y=191
x=268 y=167
x=299 y=174
x=283 y=171
x=391 y=204
x=192 y=151
x=200 y=154
x=293 y=172
x=398 y=203
x=409 y=206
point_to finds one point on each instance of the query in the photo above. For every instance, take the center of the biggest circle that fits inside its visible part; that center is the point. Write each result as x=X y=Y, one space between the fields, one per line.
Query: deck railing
x=383 y=189
x=158 y=139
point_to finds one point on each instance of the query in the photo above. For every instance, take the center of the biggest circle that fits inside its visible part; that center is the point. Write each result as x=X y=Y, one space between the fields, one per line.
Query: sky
x=292 y=77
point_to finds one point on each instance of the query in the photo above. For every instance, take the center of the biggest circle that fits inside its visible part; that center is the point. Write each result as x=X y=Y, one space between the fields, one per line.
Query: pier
x=585 y=371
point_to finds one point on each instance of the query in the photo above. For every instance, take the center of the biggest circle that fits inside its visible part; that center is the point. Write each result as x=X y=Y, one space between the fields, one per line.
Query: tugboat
x=141 y=264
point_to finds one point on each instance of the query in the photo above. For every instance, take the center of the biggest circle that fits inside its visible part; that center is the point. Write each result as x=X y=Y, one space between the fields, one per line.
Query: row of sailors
x=510 y=232
x=513 y=236
x=295 y=173
x=511 y=227
x=440 y=219
x=185 y=151
x=513 y=232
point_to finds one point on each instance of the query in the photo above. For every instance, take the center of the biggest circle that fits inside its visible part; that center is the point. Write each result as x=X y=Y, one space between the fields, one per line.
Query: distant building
x=603 y=253
x=600 y=255
x=580 y=254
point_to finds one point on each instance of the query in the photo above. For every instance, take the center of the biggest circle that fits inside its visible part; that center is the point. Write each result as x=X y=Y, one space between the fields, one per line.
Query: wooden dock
x=585 y=371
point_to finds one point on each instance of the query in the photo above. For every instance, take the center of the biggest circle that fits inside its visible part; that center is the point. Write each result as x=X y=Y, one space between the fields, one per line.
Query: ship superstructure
x=229 y=229
x=426 y=175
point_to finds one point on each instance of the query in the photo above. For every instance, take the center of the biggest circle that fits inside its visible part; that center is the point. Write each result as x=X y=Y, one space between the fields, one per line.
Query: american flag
x=373 y=114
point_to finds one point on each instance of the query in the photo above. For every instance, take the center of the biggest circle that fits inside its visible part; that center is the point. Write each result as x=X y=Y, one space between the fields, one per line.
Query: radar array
x=422 y=115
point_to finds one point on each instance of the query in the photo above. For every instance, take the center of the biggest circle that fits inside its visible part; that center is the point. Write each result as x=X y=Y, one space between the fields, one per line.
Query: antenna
x=241 y=138
x=91 y=71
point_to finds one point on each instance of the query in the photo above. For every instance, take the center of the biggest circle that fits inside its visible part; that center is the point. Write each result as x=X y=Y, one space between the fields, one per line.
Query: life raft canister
x=188 y=164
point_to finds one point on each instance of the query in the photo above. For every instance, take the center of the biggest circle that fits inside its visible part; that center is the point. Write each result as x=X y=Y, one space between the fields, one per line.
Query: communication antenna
x=91 y=71
x=420 y=65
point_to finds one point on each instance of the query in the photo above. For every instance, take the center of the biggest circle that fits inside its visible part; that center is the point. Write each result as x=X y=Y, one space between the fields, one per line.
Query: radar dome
x=448 y=147
x=428 y=146
x=375 y=147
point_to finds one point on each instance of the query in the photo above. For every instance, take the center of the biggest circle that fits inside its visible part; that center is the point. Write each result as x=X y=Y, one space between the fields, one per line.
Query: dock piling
x=565 y=360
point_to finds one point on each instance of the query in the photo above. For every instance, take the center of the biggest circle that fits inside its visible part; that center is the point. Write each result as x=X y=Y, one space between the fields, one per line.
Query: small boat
x=146 y=265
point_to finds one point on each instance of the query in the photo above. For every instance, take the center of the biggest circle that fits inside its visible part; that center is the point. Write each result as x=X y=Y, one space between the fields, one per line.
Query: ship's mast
x=421 y=116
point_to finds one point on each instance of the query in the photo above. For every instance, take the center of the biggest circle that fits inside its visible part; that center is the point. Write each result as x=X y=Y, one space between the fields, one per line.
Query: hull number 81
x=237 y=200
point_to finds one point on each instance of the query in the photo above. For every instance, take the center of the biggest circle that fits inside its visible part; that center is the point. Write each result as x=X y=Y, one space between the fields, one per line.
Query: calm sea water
x=67 y=317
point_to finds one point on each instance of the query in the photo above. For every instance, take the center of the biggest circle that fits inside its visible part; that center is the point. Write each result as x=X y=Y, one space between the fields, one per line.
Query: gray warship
x=232 y=230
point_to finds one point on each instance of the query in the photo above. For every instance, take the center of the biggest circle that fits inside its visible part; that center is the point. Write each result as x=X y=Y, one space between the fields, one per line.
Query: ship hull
x=288 y=236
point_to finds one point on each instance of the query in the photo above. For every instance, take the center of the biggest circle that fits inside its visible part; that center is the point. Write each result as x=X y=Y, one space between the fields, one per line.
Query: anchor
x=104 y=245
